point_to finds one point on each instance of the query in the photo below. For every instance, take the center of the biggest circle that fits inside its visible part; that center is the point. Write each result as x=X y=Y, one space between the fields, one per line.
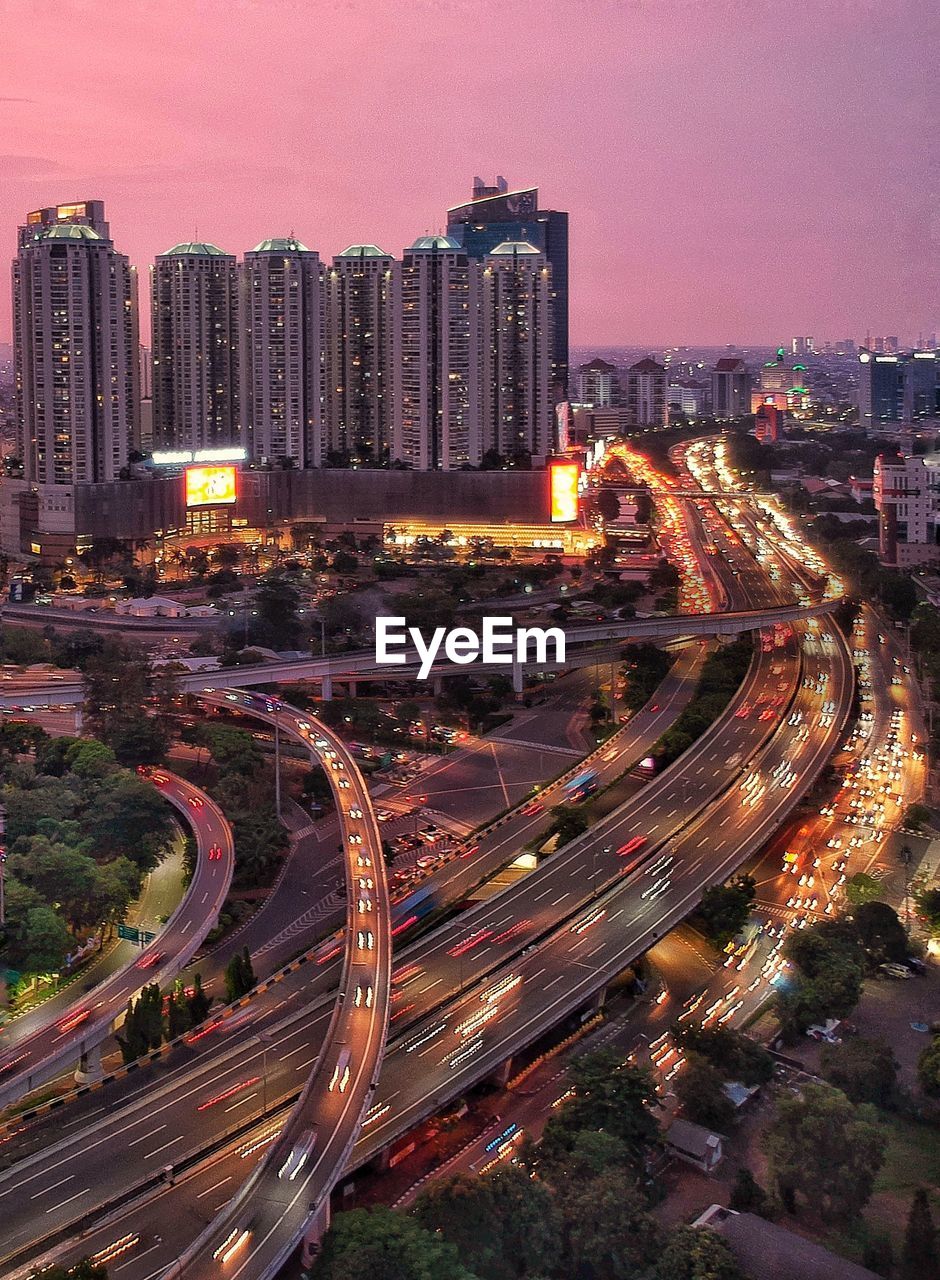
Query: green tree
x=129 y=818
x=919 y=1257
x=87 y=758
x=568 y=823
x=830 y=965
x=607 y=504
x=46 y=944
x=239 y=975
x=730 y=1052
x=692 y=1253
x=699 y=1087
x=928 y=904
x=277 y=601
x=724 y=909
x=862 y=888
x=821 y=1146
x=199 y=1002
x=928 y=1069
x=880 y=932
x=608 y=1232
x=233 y=750
x=178 y=1012
x=747 y=1195
x=383 y=1245
x=865 y=1070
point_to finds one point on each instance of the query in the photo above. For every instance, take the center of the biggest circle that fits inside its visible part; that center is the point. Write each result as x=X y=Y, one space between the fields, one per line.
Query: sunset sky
x=735 y=170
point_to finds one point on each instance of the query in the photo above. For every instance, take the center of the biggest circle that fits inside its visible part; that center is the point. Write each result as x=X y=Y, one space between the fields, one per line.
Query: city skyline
x=809 y=153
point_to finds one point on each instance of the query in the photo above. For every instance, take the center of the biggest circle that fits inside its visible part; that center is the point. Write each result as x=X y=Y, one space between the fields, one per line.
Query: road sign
x=129 y=932
x=145 y=937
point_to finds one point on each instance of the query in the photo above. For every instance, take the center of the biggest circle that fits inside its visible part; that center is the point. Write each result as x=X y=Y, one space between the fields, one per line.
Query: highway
x=617 y=922
x=289 y=1187
x=39 y=1049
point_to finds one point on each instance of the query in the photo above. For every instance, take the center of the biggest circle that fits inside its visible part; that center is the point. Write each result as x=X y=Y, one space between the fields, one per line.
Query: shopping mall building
x=205 y=499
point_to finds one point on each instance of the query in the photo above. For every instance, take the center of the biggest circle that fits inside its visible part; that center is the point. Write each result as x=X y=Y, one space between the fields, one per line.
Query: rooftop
x=69 y=231
x=195 y=249
x=284 y=244
x=434 y=242
x=514 y=247
x=363 y=251
x=770 y=1252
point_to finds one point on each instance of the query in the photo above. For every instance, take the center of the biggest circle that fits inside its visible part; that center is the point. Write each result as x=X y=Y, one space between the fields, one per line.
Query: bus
x=579 y=788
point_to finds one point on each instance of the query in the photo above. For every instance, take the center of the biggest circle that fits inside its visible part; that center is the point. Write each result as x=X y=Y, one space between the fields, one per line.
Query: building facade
x=516 y=408
x=494 y=215
x=599 y=385
x=731 y=389
x=906 y=491
x=195 y=302
x=895 y=388
x=282 y=353
x=75 y=338
x=361 y=359
x=437 y=418
x=647 y=404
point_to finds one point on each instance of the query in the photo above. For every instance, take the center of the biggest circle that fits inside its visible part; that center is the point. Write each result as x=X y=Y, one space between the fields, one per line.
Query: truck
x=414 y=907
x=579 y=788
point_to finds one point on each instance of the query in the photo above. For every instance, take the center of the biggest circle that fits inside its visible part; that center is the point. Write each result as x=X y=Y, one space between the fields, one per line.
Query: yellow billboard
x=564 y=491
x=210 y=486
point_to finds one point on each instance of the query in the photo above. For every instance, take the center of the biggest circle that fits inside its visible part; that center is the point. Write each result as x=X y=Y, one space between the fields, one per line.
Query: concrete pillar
x=89 y=1067
x=437 y=686
x=315 y=1230
x=518 y=678
x=503 y=1074
x=79 y=719
x=326 y=688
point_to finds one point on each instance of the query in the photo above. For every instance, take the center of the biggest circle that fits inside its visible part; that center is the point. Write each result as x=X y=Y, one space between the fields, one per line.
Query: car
x=355 y=813
x=632 y=845
x=151 y=961
x=893 y=970
x=915 y=964
x=215 y=853
x=195 y=802
x=532 y=808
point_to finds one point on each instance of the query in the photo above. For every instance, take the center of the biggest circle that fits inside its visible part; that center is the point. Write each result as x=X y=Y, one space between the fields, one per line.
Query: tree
x=730 y=1052
x=239 y=975
x=880 y=932
x=830 y=963
x=568 y=823
x=47 y=942
x=278 y=603
x=699 y=1087
x=747 y=1195
x=608 y=1233
x=608 y=505
x=129 y=817
x=865 y=1070
x=724 y=909
x=916 y=817
x=384 y=1245
x=928 y=1069
x=609 y=1096
x=233 y=750
x=178 y=1012
x=820 y=1145
x=504 y=1225
x=694 y=1253
x=928 y=904
x=919 y=1257
x=199 y=1002
x=862 y=888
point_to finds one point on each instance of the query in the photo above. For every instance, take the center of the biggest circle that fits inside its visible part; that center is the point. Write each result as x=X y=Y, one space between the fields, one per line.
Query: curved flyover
x=287 y=1195
x=69 y=1035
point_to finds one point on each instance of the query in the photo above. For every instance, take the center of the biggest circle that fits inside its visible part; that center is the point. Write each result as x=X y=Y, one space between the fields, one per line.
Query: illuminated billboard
x=564 y=491
x=210 y=486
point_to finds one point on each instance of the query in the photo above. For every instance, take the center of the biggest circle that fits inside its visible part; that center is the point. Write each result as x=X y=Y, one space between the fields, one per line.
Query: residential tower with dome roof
x=75 y=344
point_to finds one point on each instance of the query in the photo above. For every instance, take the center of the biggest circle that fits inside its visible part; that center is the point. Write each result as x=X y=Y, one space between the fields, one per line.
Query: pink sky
x=734 y=169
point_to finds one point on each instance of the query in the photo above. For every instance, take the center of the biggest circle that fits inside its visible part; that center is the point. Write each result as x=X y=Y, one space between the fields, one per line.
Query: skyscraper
x=898 y=388
x=495 y=215
x=731 y=388
x=282 y=353
x=437 y=412
x=646 y=394
x=195 y=348
x=361 y=353
x=75 y=347
x=599 y=384
x=516 y=406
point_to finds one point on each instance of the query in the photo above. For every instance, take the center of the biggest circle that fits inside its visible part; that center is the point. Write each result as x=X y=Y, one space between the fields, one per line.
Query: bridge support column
x=518 y=679
x=326 y=689
x=503 y=1074
x=79 y=719
x=437 y=686
x=314 y=1232
x=89 y=1067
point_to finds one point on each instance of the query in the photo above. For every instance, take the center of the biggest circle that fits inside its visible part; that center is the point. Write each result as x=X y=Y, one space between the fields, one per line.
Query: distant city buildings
x=802 y=347
x=782 y=383
x=895 y=388
x=75 y=348
x=599 y=384
x=731 y=388
x=646 y=401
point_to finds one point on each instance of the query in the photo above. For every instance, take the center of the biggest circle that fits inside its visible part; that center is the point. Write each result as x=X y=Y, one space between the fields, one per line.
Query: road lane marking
x=37 y=1194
